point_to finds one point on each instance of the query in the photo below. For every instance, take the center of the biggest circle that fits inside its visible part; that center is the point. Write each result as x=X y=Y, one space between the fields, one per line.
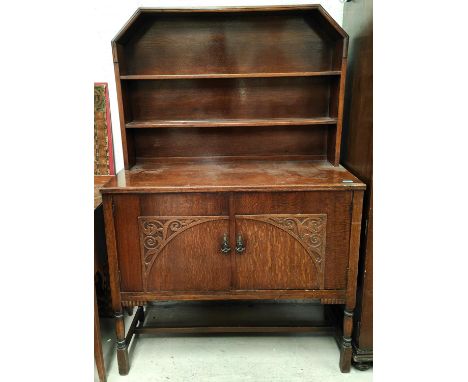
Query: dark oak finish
x=346 y=351
x=357 y=156
x=273 y=259
x=180 y=43
x=232 y=122
x=200 y=68
x=228 y=75
x=237 y=295
x=229 y=98
x=114 y=273
x=337 y=208
x=200 y=268
x=231 y=125
x=243 y=141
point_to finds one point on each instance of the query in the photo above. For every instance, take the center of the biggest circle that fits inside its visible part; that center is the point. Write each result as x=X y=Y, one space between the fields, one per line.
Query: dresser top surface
x=210 y=174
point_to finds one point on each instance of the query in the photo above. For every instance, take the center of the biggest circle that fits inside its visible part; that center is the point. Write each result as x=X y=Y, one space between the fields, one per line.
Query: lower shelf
x=235 y=329
x=215 y=317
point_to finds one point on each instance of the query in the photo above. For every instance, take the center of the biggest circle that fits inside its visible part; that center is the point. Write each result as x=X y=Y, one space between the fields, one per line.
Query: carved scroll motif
x=308 y=230
x=156 y=232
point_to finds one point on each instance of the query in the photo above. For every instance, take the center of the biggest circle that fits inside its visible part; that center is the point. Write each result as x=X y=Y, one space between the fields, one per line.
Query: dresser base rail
x=235 y=329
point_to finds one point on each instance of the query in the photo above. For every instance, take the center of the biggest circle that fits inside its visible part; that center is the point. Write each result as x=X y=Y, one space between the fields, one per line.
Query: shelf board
x=232 y=122
x=227 y=75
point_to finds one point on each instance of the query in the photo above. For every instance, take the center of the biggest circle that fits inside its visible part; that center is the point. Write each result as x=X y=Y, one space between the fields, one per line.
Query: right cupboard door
x=282 y=251
x=280 y=248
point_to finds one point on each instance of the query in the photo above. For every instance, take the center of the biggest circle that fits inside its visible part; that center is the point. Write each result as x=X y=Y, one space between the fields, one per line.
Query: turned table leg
x=346 y=351
x=122 y=350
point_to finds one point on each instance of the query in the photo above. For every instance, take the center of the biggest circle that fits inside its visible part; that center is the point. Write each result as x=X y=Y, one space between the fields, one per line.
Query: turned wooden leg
x=122 y=350
x=346 y=352
x=141 y=317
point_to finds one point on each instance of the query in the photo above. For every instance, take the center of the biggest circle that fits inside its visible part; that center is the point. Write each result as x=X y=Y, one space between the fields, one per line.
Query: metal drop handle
x=240 y=246
x=225 y=248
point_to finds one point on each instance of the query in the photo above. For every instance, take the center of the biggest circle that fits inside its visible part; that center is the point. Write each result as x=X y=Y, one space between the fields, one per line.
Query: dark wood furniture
x=357 y=157
x=104 y=169
x=231 y=125
x=100 y=272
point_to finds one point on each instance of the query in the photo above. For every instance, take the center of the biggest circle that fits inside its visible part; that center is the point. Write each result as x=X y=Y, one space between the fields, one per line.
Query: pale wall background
x=110 y=15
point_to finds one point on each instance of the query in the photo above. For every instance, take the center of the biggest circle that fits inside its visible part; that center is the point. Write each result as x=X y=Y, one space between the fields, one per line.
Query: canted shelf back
x=231 y=67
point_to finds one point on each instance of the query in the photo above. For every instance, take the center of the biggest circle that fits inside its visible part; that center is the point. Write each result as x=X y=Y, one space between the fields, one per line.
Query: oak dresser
x=231 y=125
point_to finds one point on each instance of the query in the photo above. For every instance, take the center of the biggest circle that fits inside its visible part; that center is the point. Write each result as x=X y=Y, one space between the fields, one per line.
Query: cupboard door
x=183 y=253
x=282 y=251
x=279 y=249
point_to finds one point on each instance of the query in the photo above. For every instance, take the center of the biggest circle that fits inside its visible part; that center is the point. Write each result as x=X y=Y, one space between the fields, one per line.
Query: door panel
x=282 y=251
x=168 y=257
x=130 y=207
x=183 y=253
x=336 y=205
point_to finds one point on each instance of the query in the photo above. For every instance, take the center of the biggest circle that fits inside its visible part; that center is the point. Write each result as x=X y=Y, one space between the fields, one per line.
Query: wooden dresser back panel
x=229 y=98
x=230 y=42
x=231 y=141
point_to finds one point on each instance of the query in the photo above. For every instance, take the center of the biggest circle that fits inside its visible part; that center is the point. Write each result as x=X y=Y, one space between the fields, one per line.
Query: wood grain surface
x=231 y=98
x=185 y=43
x=272 y=259
x=244 y=141
x=193 y=261
x=214 y=174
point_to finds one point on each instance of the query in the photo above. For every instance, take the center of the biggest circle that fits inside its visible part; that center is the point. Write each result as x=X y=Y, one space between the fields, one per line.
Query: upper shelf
x=233 y=122
x=228 y=75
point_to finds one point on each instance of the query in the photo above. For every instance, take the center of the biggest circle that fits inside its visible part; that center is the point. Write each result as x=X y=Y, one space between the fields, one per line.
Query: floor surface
x=229 y=357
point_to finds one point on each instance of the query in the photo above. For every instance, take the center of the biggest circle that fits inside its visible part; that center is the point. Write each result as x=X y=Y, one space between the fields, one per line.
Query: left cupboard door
x=172 y=242
x=184 y=253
